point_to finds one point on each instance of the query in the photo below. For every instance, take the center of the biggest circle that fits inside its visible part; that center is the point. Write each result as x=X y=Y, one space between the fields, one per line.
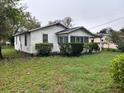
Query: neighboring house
x=25 y=41
x=104 y=39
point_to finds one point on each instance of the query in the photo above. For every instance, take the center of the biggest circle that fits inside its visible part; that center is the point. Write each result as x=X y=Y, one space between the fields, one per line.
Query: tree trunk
x=1 y=56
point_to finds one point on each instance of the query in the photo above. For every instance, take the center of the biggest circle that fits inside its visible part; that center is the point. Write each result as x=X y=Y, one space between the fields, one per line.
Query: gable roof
x=70 y=30
x=66 y=31
x=36 y=29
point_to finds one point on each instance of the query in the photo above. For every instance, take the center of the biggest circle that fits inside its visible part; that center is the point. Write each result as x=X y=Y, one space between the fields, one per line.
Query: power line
x=107 y=22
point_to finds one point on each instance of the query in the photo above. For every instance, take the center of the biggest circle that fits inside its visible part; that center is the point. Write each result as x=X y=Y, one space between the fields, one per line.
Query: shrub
x=95 y=47
x=91 y=47
x=72 y=49
x=44 y=48
x=86 y=47
x=117 y=71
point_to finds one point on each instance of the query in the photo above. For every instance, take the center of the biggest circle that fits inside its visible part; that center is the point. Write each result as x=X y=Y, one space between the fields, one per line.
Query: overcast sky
x=87 y=13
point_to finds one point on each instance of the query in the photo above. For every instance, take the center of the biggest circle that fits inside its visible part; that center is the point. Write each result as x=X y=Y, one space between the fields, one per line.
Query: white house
x=56 y=33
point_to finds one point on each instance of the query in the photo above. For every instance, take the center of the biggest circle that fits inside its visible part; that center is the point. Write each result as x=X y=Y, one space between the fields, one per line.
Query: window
x=16 y=39
x=72 y=39
x=86 y=39
x=60 y=39
x=76 y=39
x=63 y=39
x=45 y=38
x=81 y=40
x=25 y=39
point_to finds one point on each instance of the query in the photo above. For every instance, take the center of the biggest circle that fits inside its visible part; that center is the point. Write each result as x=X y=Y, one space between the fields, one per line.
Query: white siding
x=20 y=43
x=17 y=43
x=80 y=33
x=37 y=36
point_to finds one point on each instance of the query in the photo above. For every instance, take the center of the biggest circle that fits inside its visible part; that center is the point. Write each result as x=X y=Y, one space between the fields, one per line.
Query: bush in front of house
x=71 y=49
x=91 y=47
x=44 y=48
x=117 y=71
x=95 y=47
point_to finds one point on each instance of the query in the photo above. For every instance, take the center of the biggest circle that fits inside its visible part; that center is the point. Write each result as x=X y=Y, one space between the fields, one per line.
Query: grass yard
x=20 y=73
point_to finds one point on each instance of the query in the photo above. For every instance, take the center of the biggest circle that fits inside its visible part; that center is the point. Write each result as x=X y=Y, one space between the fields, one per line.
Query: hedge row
x=44 y=48
x=70 y=49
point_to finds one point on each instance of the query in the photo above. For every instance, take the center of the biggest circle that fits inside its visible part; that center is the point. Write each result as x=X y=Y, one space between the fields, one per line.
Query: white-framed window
x=79 y=39
x=45 y=38
x=73 y=39
x=25 y=39
x=86 y=39
x=16 y=40
x=63 y=39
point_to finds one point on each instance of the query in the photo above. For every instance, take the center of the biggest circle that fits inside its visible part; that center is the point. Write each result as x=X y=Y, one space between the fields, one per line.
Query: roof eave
x=59 y=33
x=41 y=28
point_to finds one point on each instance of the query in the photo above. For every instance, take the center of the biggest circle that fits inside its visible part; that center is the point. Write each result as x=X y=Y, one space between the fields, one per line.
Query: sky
x=87 y=13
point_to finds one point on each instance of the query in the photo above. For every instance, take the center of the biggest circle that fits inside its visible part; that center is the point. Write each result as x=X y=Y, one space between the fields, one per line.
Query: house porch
x=66 y=38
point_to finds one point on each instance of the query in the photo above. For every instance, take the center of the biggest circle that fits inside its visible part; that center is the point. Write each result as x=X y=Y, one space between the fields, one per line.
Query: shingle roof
x=66 y=31
x=70 y=30
x=28 y=31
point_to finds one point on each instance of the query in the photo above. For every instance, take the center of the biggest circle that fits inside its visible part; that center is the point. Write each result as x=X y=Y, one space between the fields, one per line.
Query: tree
x=28 y=22
x=31 y=22
x=54 y=22
x=67 y=21
x=108 y=40
x=115 y=37
x=107 y=30
x=122 y=30
x=118 y=39
x=10 y=16
x=103 y=31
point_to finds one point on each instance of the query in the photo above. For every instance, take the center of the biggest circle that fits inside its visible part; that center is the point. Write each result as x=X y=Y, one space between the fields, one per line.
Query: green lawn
x=20 y=73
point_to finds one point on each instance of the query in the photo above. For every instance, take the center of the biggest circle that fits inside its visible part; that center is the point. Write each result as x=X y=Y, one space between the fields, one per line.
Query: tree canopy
x=12 y=17
x=118 y=38
x=67 y=21
x=107 y=30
